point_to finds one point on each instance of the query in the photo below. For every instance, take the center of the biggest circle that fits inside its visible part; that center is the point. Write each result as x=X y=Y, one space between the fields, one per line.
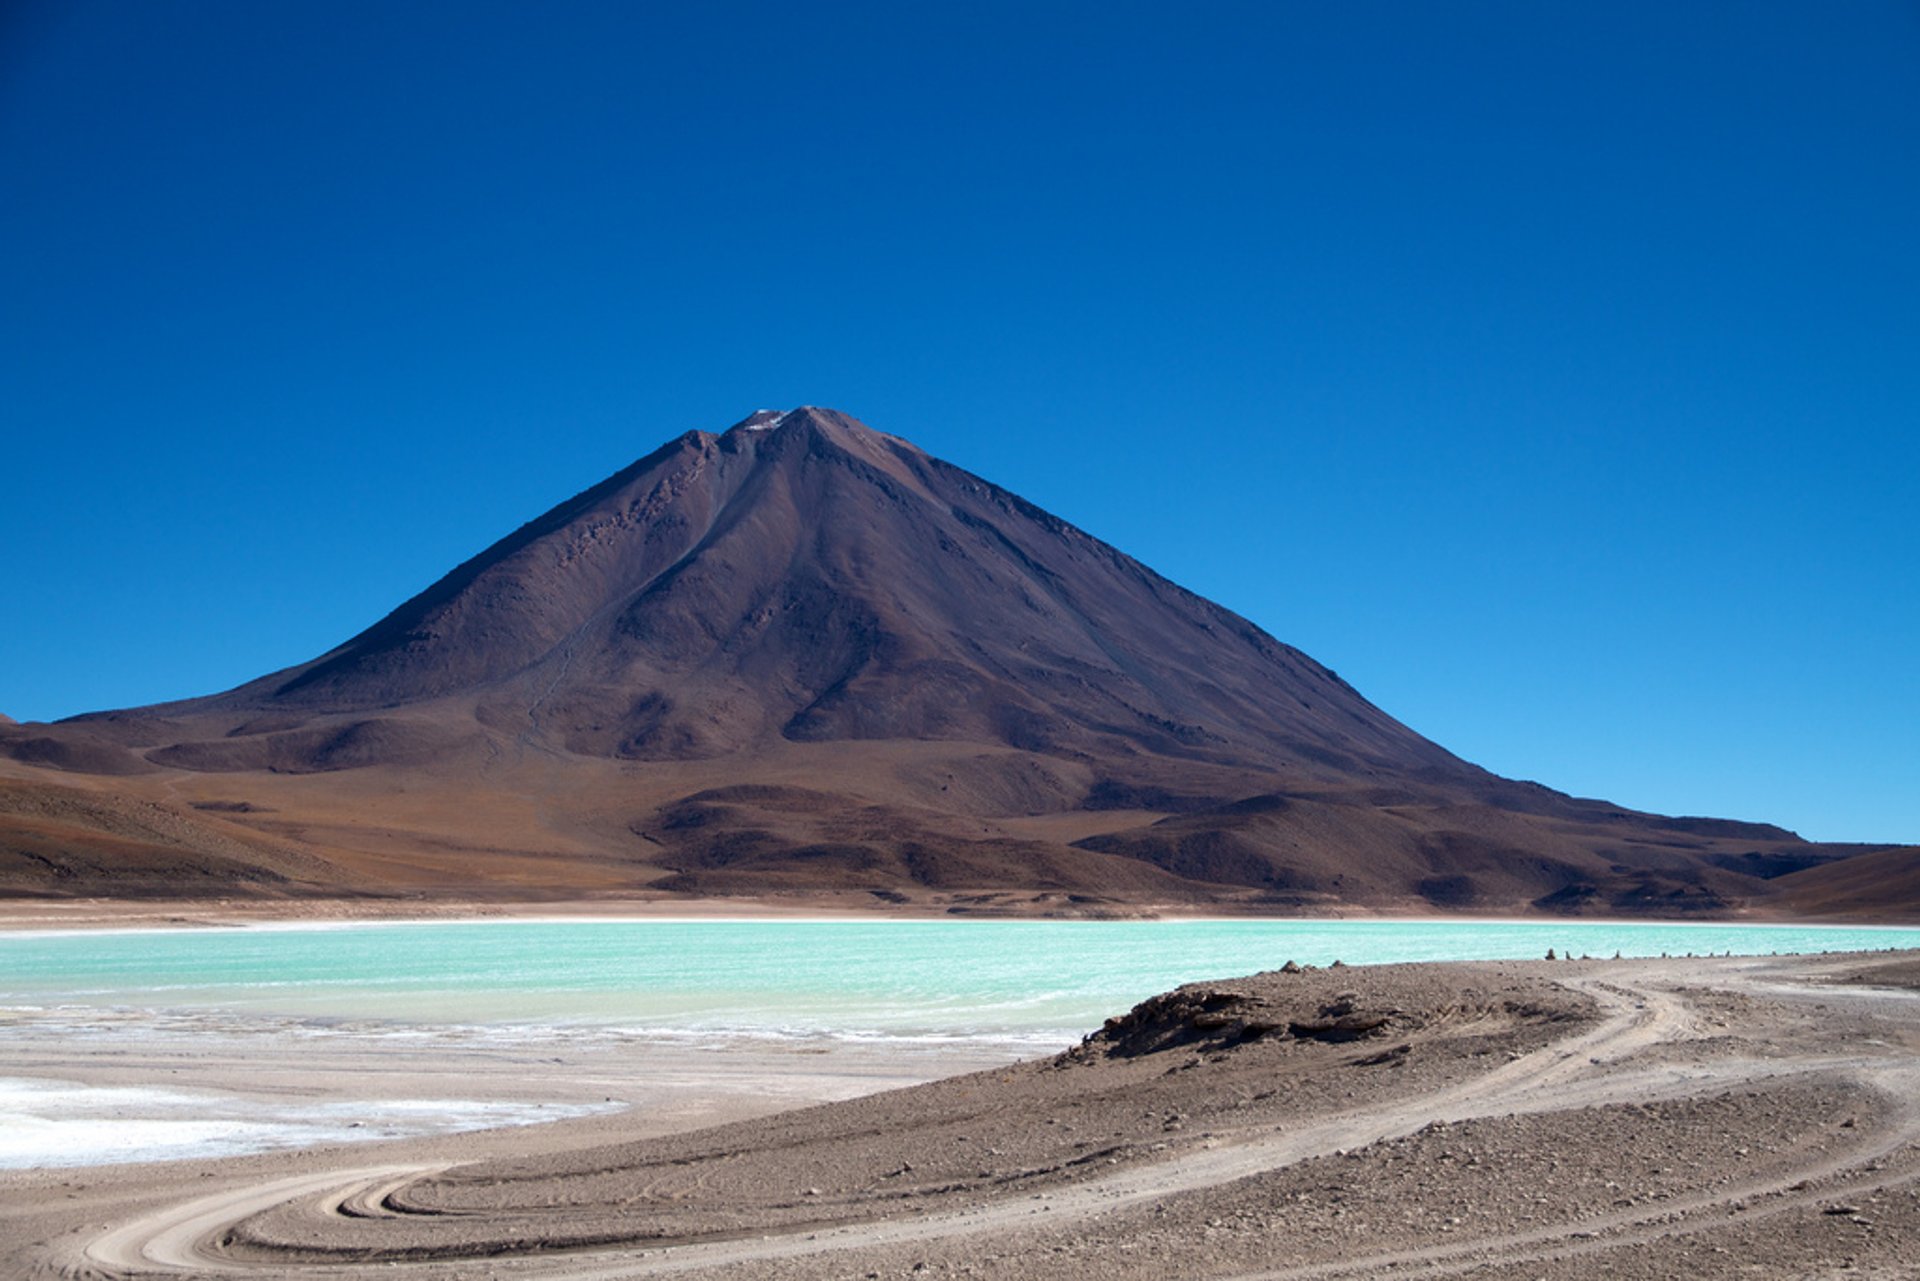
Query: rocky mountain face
x=803 y=656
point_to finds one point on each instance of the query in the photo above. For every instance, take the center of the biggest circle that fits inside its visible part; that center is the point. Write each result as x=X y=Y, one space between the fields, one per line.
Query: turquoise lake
x=1041 y=982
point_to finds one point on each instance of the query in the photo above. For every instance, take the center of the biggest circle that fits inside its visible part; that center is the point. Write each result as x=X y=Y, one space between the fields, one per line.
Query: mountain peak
x=804 y=415
x=768 y=434
x=761 y=420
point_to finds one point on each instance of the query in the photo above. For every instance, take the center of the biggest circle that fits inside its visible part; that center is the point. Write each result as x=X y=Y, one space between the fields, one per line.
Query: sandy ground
x=1734 y=1117
x=83 y=913
x=78 y=914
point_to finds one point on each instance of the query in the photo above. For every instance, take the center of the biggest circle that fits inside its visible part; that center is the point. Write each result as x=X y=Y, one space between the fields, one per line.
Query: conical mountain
x=802 y=576
x=804 y=656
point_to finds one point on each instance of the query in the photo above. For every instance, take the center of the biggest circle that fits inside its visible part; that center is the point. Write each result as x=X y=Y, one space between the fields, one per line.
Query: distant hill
x=803 y=657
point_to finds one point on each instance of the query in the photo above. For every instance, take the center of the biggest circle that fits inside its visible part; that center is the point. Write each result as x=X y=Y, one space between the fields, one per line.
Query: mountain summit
x=802 y=576
x=802 y=655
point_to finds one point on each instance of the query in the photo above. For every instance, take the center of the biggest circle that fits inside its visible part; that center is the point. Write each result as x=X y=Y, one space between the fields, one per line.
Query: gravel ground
x=1698 y=1118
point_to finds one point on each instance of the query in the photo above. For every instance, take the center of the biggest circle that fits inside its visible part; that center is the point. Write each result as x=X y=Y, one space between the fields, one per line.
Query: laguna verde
x=1028 y=984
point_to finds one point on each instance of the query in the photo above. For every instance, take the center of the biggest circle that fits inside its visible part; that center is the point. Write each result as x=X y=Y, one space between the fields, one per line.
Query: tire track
x=1781 y=1192
x=176 y=1239
x=185 y=1238
x=1592 y=1067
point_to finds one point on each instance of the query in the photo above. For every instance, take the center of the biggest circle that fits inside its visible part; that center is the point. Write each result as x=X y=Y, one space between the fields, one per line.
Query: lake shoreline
x=21 y=914
x=1542 y=1119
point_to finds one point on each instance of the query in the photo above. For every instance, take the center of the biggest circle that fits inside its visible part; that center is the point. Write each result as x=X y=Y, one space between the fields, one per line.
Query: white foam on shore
x=51 y=1124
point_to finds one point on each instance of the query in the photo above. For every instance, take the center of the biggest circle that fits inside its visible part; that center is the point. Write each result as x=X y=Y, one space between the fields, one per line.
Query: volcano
x=804 y=658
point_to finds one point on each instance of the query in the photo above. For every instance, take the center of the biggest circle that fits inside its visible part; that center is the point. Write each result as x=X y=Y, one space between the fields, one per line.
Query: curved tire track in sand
x=178 y=1238
x=1592 y=1067
x=186 y=1238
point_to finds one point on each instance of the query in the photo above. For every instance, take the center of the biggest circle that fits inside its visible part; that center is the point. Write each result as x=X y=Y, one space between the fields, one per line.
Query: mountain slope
x=805 y=656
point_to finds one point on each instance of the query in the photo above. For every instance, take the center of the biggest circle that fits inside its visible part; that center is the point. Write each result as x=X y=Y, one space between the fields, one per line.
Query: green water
x=1039 y=980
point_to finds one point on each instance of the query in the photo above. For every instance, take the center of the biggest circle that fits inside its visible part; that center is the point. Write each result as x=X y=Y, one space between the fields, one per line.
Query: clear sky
x=1550 y=371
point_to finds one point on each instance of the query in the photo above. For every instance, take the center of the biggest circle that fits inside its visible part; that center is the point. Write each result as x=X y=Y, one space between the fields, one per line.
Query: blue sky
x=1551 y=372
